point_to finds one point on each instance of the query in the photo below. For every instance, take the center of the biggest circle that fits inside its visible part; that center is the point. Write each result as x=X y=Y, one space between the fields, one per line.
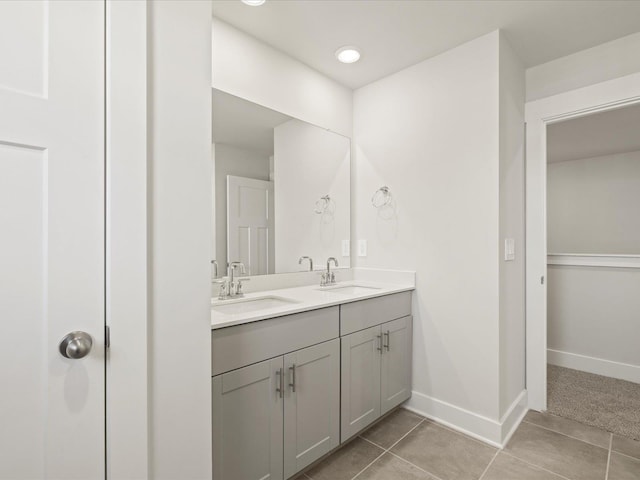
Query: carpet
x=607 y=403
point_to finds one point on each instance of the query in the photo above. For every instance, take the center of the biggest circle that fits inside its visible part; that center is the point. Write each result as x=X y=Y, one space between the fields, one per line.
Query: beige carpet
x=603 y=402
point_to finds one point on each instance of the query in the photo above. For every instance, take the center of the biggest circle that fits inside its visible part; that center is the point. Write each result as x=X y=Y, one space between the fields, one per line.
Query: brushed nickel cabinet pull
x=293 y=377
x=379 y=348
x=280 y=383
x=387 y=334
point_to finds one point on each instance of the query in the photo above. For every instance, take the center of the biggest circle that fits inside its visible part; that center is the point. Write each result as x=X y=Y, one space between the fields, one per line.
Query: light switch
x=362 y=248
x=509 y=249
x=346 y=248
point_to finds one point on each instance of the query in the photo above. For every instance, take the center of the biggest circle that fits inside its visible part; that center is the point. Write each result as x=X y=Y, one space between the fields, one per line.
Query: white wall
x=179 y=149
x=594 y=319
x=594 y=65
x=592 y=205
x=230 y=160
x=310 y=162
x=512 y=315
x=430 y=132
x=250 y=69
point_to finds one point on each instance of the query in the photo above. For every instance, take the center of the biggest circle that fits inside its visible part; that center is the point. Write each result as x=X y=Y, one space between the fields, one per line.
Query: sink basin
x=233 y=307
x=350 y=289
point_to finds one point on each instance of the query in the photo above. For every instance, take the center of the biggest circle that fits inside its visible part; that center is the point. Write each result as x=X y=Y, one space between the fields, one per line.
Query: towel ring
x=322 y=204
x=381 y=198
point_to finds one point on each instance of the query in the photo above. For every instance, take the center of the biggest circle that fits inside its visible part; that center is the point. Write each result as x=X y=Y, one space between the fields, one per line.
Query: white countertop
x=310 y=297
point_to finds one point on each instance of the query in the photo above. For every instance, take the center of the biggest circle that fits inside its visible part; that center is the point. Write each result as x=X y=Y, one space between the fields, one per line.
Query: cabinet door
x=247 y=423
x=395 y=379
x=312 y=405
x=360 y=380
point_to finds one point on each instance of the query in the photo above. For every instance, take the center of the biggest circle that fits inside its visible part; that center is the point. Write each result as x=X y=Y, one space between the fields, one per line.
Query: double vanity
x=298 y=371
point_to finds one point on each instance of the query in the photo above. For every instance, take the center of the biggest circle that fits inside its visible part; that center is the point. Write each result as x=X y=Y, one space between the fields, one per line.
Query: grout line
x=416 y=466
x=625 y=455
x=566 y=435
x=488 y=466
x=536 y=466
x=402 y=437
x=372 y=443
x=374 y=461
x=606 y=475
x=441 y=425
x=385 y=450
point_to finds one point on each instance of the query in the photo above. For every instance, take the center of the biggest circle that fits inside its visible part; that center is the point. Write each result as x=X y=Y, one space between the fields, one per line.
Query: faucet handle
x=239 y=291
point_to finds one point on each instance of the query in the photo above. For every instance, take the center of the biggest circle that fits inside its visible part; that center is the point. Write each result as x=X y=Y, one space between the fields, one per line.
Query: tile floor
x=405 y=446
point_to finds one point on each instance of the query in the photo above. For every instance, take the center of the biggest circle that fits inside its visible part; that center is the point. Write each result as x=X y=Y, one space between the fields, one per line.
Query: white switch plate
x=509 y=249
x=362 y=248
x=346 y=248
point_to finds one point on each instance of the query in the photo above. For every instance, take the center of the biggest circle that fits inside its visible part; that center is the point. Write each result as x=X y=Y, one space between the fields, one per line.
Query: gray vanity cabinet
x=395 y=377
x=248 y=423
x=360 y=380
x=276 y=395
x=376 y=341
x=375 y=373
x=311 y=405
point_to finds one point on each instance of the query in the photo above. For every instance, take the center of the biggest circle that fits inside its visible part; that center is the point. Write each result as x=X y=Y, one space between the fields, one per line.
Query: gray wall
x=593 y=205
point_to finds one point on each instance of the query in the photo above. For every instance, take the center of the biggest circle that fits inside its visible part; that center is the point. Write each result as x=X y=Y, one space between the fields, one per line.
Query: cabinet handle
x=293 y=377
x=387 y=334
x=379 y=348
x=280 y=383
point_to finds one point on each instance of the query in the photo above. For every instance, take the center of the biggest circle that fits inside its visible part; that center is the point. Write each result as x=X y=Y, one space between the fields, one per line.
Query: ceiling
x=394 y=34
x=596 y=135
x=244 y=124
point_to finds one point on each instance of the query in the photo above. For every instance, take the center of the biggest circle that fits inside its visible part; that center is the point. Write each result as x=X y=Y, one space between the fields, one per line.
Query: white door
x=52 y=410
x=250 y=224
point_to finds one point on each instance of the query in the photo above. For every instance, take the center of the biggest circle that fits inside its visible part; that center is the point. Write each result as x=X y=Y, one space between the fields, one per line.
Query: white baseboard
x=493 y=432
x=599 y=366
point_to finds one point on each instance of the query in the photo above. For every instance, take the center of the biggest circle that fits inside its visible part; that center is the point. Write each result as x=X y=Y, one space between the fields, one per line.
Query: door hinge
x=107 y=336
x=542 y=280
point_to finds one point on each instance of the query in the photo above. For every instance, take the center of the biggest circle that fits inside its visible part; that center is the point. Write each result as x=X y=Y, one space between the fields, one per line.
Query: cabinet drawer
x=238 y=346
x=374 y=311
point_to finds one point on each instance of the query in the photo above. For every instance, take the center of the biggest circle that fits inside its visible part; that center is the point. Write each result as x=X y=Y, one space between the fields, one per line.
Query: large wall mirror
x=281 y=190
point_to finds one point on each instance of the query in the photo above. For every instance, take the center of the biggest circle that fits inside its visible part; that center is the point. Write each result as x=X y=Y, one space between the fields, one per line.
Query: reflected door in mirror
x=250 y=224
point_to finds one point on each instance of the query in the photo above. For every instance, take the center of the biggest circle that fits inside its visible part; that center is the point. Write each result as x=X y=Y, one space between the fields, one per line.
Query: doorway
x=541 y=114
x=593 y=269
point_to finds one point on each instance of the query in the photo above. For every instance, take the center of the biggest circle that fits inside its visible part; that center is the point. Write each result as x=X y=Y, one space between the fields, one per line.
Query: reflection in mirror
x=281 y=190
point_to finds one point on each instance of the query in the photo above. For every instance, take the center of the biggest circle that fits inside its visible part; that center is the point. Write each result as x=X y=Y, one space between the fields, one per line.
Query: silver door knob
x=76 y=345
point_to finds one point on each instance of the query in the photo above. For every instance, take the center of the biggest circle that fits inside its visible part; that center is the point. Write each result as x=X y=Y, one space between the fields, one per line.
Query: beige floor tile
x=347 y=462
x=389 y=467
x=392 y=428
x=506 y=467
x=627 y=446
x=444 y=453
x=623 y=468
x=553 y=451
x=569 y=427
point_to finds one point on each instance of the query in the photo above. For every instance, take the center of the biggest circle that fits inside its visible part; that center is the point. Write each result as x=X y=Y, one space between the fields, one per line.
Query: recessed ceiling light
x=348 y=54
x=253 y=3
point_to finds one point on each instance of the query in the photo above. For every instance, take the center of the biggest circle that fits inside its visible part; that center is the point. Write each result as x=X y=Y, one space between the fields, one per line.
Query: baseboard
x=511 y=420
x=599 y=366
x=487 y=430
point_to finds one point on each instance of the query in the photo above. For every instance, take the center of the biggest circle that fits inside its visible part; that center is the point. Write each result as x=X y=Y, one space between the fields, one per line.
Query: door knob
x=76 y=345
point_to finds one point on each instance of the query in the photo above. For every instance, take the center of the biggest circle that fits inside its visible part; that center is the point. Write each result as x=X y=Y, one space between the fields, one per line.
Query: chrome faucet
x=232 y=286
x=329 y=277
x=310 y=262
x=214 y=264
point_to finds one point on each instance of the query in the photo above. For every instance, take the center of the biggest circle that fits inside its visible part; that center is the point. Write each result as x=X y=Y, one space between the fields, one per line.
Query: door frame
x=126 y=222
x=600 y=97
